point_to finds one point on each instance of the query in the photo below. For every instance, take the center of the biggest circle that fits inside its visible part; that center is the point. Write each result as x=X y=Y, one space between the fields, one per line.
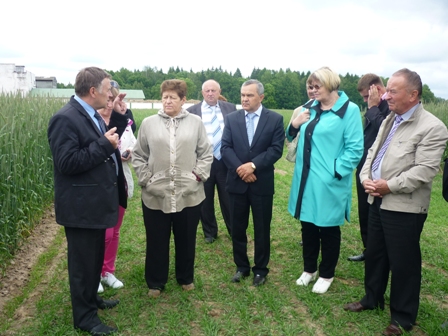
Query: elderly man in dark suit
x=213 y=112
x=252 y=142
x=89 y=185
x=398 y=175
x=372 y=90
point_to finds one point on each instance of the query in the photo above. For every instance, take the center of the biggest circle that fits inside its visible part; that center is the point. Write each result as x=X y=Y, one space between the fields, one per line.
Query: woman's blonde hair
x=326 y=77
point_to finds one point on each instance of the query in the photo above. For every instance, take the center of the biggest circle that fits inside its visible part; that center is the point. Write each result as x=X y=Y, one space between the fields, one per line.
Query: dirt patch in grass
x=18 y=272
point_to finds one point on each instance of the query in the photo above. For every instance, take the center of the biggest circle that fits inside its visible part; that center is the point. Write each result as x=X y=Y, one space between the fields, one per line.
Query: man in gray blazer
x=212 y=113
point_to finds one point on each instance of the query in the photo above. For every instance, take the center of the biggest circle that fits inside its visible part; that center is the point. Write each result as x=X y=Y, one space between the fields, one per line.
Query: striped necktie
x=216 y=133
x=250 y=127
x=100 y=122
x=382 y=151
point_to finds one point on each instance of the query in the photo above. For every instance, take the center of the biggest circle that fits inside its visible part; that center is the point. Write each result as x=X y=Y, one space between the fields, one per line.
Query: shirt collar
x=89 y=109
x=205 y=105
x=257 y=112
x=409 y=113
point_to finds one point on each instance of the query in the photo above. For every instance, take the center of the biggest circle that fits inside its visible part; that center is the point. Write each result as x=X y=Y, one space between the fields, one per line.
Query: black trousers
x=316 y=238
x=158 y=232
x=85 y=260
x=394 y=245
x=240 y=205
x=218 y=175
x=363 y=210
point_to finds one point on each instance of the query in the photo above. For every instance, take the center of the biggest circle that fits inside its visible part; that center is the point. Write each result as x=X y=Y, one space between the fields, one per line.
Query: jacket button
x=115 y=184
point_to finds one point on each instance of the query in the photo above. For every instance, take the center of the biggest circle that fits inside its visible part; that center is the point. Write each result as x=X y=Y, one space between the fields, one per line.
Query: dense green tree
x=427 y=95
x=283 y=89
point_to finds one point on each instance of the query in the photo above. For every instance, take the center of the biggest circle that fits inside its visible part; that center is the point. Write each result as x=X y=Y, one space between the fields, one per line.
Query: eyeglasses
x=114 y=84
x=315 y=86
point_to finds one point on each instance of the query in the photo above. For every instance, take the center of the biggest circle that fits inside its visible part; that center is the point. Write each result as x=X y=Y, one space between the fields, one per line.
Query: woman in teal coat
x=329 y=148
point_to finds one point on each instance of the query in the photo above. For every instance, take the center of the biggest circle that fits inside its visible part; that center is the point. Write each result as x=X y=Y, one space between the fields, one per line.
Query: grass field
x=219 y=307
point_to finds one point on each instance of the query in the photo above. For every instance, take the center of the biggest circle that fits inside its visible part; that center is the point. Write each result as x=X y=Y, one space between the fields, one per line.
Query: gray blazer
x=225 y=107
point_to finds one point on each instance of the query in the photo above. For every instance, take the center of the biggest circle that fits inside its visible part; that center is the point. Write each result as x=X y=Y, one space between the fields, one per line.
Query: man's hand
x=250 y=179
x=245 y=170
x=112 y=137
x=376 y=188
x=119 y=104
x=126 y=155
x=301 y=119
x=374 y=96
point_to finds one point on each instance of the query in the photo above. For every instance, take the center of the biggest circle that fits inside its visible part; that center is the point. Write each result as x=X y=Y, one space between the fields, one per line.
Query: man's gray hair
x=260 y=87
x=414 y=82
x=211 y=80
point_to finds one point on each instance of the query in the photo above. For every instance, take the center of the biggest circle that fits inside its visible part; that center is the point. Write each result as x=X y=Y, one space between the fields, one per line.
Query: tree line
x=284 y=89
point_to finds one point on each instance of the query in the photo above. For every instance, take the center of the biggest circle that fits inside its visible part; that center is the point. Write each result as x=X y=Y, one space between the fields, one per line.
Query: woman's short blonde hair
x=326 y=77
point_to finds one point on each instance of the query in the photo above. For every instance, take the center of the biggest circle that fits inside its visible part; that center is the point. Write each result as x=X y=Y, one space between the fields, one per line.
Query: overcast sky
x=58 y=38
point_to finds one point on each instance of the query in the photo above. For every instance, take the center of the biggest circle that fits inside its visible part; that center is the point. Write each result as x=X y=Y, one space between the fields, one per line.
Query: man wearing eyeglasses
x=89 y=186
x=397 y=175
x=213 y=113
x=372 y=90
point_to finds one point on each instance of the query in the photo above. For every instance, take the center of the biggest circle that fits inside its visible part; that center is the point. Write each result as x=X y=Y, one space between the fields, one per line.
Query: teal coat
x=329 y=148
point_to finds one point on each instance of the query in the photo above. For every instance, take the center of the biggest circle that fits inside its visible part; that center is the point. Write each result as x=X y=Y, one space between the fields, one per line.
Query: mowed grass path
x=219 y=307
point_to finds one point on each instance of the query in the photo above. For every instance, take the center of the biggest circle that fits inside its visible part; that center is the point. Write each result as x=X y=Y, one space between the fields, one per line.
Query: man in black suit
x=213 y=113
x=252 y=142
x=89 y=185
x=372 y=90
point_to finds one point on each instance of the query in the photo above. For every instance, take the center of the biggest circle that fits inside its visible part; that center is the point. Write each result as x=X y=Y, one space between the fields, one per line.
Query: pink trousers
x=111 y=248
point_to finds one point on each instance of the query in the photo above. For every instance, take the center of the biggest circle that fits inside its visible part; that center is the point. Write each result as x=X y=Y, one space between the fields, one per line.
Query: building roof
x=67 y=93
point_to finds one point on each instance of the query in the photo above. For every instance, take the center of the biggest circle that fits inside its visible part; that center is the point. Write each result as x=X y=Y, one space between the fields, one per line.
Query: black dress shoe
x=392 y=330
x=209 y=240
x=259 y=280
x=239 y=275
x=354 y=307
x=108 y=304
x=357 y=258
x=102 y=329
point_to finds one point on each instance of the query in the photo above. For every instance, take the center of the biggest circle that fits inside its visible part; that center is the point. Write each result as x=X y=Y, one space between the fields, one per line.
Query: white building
x=14 y=78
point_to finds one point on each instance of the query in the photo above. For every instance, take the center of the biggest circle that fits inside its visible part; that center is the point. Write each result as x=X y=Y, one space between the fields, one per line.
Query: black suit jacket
x=266 y=149
x=87 y=188
x=225 y=107
x=374 y=117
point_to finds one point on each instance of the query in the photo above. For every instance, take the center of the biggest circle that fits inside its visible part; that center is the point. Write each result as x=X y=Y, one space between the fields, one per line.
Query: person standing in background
x=330 y=146
x=252 y=142
x=213 y=112
x=373 y=92
x=398 y=174
x=89 y=187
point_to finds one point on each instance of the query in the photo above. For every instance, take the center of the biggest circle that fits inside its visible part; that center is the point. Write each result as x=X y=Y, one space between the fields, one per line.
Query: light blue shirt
x=256 y=119
x=90 y=111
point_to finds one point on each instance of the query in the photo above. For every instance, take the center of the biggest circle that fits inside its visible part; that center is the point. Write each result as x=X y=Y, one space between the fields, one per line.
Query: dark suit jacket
x=225 y=107
x=266 y=149
x=374 y=117
x=87 y=188
x=445 y=180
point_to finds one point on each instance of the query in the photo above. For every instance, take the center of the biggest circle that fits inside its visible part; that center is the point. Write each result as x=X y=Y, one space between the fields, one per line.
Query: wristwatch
x=253 y=166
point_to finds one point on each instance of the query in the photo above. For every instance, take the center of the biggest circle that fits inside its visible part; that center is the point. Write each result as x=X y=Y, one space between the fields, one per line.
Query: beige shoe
x=321 y=286
x=306 y=278
x=153 y=293
x=188 y=287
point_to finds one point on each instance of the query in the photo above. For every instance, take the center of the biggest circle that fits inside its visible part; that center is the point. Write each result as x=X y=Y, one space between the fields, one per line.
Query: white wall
x=13 y=82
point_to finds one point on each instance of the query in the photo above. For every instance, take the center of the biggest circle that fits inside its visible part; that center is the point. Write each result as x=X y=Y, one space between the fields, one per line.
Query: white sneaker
x=306 y=278
x=321 y=286
x=100 y=288
x=110 y=280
